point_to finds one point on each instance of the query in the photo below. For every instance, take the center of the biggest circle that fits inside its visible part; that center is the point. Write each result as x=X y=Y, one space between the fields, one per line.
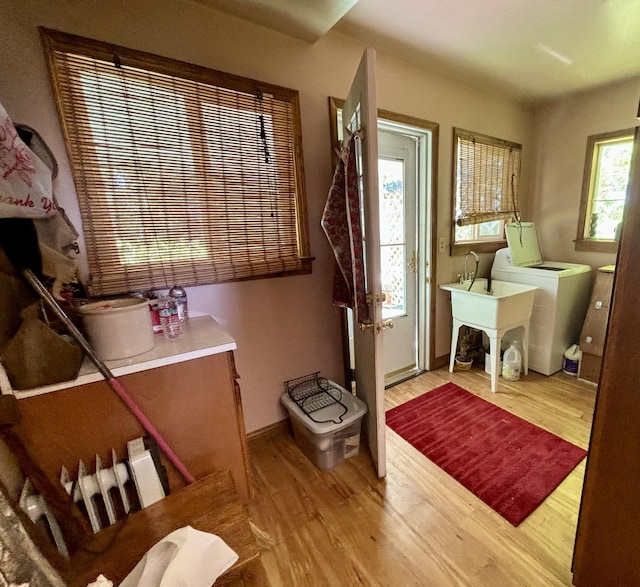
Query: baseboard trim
x=262 y=434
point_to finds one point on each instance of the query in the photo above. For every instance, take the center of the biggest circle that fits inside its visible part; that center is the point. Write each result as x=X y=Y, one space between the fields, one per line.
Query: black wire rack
x=313 y=394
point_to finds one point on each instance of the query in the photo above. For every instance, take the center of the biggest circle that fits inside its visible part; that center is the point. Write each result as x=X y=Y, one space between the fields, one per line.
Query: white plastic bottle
x=571 y=363
x=511 y=362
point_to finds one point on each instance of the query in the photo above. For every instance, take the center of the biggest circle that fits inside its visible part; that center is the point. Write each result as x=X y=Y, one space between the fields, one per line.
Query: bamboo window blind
x=183 y=174
x=486 y=177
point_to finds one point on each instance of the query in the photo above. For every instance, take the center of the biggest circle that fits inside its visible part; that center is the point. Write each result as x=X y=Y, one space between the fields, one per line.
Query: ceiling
x=532 y=50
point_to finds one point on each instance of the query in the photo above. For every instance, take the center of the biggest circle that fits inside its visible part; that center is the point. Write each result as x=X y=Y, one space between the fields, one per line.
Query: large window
x=604 y=190
x=183 y=174
x=486 y=185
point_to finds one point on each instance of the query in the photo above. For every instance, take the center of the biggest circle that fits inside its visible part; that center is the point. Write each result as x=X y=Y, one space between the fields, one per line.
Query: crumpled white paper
x=184 y=558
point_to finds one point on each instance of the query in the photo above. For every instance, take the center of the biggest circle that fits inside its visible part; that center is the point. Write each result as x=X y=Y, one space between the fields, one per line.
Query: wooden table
x=211 y=504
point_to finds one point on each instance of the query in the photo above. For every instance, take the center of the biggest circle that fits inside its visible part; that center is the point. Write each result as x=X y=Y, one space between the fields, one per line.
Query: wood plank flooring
x=418 y=526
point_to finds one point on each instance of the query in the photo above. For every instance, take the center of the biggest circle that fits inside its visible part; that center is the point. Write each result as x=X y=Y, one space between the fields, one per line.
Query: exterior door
x=398 y=251
x=360 y=114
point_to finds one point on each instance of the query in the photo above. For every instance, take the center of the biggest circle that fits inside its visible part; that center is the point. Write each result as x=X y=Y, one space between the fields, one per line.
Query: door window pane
x=393 y=247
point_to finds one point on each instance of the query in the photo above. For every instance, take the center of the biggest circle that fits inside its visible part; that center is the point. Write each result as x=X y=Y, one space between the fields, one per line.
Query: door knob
x=380 y=326
x=388 y=323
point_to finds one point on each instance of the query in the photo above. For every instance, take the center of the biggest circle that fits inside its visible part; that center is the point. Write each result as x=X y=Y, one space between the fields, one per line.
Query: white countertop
x=200 y=337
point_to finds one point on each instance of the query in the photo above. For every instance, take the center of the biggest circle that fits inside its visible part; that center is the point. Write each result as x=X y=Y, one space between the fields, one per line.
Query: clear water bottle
x=179 y=294
x=169 y=320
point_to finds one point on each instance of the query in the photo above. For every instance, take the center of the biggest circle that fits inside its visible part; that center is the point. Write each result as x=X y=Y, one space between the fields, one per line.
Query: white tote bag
x=25 y=181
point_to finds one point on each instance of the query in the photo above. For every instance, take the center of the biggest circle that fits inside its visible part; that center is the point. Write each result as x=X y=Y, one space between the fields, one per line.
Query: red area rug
x=510 y=464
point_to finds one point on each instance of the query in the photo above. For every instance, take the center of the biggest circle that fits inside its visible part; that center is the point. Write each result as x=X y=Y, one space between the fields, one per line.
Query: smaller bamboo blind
x=486 y=177
x=183 y=174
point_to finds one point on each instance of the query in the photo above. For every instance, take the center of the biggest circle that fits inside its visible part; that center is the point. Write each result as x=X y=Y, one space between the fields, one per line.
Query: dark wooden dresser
x=594 y=330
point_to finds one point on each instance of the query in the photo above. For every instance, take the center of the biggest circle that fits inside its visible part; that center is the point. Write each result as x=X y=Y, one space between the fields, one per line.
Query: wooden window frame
x=238 y=237
x=582 y=242
x=484 y=245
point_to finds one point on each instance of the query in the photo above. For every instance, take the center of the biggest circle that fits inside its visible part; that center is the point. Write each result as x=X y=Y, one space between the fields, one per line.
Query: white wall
x=285 y=327
x=561 y=130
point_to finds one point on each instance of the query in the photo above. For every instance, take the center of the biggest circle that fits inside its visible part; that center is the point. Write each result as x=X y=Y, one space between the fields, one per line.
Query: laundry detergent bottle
x=511 y=363
x=571 y=362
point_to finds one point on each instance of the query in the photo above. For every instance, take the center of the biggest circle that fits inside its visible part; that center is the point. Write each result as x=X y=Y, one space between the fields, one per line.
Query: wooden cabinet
x=194 y=404
x=594 y=330
x=187 y=387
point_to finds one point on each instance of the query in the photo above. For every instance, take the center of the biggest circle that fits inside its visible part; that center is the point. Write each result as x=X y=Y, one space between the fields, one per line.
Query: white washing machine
x=560 y=303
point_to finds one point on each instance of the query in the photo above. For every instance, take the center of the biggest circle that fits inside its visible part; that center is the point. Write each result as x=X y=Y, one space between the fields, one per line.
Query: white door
x=360 y=113
x=398 y=251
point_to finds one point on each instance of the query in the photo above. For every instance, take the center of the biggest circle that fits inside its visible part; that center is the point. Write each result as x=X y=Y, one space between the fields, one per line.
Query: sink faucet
x=467 y=274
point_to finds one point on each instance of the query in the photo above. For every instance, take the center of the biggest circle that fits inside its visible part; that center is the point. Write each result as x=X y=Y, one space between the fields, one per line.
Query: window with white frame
x=184 y=174
x=604 y=190
x=486 y=184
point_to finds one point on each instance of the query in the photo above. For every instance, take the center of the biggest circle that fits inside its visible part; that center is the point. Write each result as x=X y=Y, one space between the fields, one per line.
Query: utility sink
x=507 y=306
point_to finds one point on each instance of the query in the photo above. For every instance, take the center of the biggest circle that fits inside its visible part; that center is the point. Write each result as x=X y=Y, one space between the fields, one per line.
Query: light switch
x=442 y=244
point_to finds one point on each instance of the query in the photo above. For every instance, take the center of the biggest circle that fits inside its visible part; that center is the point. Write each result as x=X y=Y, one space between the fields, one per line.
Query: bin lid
x=523 y=244
x=356 y=409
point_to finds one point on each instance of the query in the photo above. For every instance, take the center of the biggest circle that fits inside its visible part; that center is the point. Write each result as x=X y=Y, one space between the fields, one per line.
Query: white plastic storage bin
x=336 y=437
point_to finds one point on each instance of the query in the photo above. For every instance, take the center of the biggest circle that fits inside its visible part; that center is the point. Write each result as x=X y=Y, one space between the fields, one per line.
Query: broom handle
x=150 y=428
x=108 y=375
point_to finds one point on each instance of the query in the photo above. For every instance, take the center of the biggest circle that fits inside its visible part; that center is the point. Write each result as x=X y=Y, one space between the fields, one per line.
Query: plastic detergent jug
x=571 y=361
x=511 y=362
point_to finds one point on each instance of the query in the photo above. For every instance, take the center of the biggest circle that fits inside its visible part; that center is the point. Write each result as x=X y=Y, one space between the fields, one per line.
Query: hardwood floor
x=418 y=526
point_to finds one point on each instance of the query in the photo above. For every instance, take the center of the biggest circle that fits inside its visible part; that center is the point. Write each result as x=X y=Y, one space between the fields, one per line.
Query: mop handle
x=108 y=375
